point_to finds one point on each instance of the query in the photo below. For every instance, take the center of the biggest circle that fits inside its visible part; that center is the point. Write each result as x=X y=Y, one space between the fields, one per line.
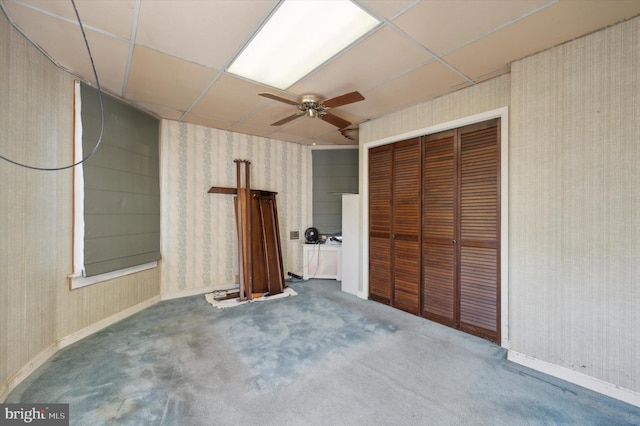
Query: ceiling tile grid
x=170 y=57
x=158 y=78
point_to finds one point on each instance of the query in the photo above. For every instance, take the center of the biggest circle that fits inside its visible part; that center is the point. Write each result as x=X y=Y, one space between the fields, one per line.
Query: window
x=116 y=191
x=335 y=172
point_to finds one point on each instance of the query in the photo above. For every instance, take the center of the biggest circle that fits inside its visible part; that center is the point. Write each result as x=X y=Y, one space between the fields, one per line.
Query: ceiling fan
x=313 y=106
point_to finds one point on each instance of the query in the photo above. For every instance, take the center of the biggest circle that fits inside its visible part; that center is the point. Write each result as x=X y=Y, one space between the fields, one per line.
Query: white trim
x=330 y=147
x=79 y=281
x=503 y=114
x=78 y=188
x=505 y=342
x=26 y=370
x=309 y=208
x=609 y=389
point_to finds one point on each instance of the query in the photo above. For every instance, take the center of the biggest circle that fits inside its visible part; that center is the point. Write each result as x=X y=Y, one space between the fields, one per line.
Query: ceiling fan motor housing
x=312 y=106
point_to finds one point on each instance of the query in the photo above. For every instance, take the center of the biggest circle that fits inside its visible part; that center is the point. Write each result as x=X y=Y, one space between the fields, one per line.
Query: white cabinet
x=322 y=261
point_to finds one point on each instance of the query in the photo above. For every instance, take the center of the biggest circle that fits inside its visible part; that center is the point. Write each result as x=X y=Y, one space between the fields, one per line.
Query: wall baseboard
x=26 y=370
x=609 y=389
x=95 y=327
x=12 y=382
x=190 y=292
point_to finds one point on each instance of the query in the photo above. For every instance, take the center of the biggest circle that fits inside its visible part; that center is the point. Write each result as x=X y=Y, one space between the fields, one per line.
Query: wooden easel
x=259 y=250
x=243 y=220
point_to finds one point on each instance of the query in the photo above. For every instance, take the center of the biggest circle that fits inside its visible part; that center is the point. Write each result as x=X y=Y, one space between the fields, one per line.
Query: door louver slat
x=406 y=225
x=478 y=231
x=380 y=224
x=438 y=218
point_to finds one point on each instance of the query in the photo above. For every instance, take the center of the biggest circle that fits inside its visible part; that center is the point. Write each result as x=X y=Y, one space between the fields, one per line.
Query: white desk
x=322 y=261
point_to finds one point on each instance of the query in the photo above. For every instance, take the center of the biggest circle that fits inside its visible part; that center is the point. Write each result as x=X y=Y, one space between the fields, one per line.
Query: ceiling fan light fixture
x=279 y=55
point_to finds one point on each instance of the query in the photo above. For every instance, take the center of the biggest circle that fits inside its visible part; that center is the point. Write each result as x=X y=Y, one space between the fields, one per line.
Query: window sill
x=78 y=281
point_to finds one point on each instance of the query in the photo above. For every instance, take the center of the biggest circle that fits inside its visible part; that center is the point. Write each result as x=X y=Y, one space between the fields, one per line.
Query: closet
x=434 y=214
x=394 y=224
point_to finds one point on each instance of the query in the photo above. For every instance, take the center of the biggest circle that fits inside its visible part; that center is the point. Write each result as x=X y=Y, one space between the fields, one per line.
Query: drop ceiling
x=169 y=57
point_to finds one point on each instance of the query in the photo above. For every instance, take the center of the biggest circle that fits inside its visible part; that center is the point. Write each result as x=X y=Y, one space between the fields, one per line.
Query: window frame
x=78 y=278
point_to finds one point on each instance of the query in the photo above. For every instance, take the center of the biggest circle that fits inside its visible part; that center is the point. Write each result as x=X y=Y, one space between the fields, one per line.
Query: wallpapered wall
x=575 y=205
x=37 y=309
x=199 y=244
x=482 y=97
x=574 y=208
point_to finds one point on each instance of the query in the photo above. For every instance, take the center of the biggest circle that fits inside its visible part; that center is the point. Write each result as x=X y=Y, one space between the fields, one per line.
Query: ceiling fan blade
x=347 y=98
x=278 y=98
x=336 y=121
x=351 y=134
x=287 y=119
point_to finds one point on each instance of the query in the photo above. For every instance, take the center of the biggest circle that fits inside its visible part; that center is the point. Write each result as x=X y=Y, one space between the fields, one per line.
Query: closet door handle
x=453 y=241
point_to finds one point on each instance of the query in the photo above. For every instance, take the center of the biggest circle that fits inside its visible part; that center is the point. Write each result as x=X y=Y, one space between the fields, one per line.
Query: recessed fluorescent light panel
x=299 y=37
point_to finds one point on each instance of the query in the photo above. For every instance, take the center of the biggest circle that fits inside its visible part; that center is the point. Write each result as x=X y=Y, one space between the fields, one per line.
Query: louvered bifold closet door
x=439 y=228
x=380 y=224
x=479 y=282
x=406 y=225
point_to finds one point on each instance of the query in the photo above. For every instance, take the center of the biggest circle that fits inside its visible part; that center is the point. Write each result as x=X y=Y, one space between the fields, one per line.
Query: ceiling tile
x=231 y=98
x=63 y=41
x=112 y=17
x=490 y=54
x=270 y=113
x=161 y=111
x=386 y=8
x=443 y=25
x=336 y=138
x=249 y=130
x=286 y=137
x=207 y=121
x=422 y=84
x=309 y=128
x=380 y=57
x=209 y=33
x=156 y=78
x=551 y=26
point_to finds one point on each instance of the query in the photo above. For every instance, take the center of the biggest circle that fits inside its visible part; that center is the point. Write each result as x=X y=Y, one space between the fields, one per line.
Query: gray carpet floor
x=322 y=357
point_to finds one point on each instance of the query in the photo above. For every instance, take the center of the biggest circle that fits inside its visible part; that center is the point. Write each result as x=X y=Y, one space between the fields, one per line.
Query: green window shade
x=121 y=186
x=335 y=171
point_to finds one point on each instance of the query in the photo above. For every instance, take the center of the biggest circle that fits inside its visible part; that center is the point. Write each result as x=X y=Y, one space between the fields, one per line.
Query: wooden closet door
x=439 y=293
x=479 y=242
x=405 y=215
x=380 y=224
x=460 y=229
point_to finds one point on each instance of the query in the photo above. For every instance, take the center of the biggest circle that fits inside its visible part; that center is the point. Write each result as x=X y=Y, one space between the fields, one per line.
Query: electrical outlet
x=294 y=235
